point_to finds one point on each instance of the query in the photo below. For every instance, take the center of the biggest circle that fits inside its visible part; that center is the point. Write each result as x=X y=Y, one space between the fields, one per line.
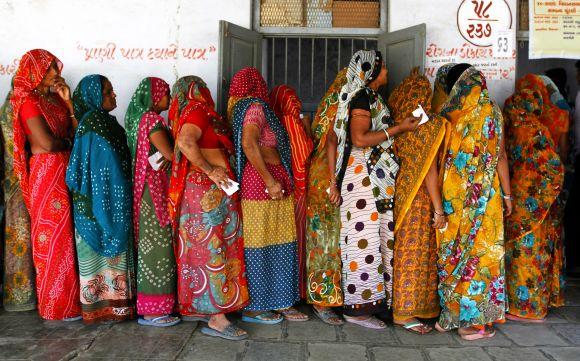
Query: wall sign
x=479 y=21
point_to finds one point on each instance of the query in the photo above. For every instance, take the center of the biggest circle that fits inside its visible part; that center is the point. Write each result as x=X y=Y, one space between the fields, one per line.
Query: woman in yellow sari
x=417 y=203
x=323 y=264
x=471 y=248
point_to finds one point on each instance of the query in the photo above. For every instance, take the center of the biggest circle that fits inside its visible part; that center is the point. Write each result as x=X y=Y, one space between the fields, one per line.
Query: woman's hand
x=508 y=206
x=334 y=195
x=164 y=164
x=62 y=89
x=439 y=220
x=275 y=190
x=219 y=176
x=409 y=124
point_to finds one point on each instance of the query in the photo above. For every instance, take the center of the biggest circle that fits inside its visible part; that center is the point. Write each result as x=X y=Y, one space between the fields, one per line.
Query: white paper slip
x=232 y=188
x=154 y=161
x=420 y=112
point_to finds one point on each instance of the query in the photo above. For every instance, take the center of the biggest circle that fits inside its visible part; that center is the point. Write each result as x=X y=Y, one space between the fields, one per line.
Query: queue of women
x=361 y=211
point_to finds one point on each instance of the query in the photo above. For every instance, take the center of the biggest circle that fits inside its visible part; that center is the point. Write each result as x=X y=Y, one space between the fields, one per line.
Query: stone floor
x=23 y=336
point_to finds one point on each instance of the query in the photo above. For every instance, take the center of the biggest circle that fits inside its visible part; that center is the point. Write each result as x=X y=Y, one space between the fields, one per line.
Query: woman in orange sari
x=43 y=128
x=287 y=106
x=534 y=248
x=418 y=208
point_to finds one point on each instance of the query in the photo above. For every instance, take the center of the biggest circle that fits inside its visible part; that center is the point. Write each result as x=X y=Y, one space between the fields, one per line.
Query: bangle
x=439 y=214
x=508 y=197
x=387 y=134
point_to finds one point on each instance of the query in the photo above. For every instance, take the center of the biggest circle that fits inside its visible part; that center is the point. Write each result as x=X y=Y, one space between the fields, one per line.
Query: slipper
x=371 y=322
x=410 y=326
x=229 y=333
x=327 y=316
x=264 y=318
x=293 y=315
x=155 y=321
x=72 y=319
x=481 y=334
x=525 y=320
x=200 y=318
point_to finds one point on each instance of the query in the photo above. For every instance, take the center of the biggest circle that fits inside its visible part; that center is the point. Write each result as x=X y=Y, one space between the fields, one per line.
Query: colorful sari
x=99 y=178
x=210 y=246
x=269 y=230
x=179 y=100
x=415 y=268
x=471 y=249
x=287 y=107
x=42 y=180
x=534 y=254
x=323 y=263
x=18 y=292
x=156 y=273
x=366 y=179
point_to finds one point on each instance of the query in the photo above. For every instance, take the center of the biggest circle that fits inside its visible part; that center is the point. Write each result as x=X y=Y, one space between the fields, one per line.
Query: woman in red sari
x=43 y=128
x=287 y=107
x=206 y=220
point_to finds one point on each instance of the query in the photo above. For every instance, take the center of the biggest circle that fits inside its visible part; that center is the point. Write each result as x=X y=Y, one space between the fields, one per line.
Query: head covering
x=326 y=112
x=198 y=98
x=99 y=173
x=440 y=93
x=149 y=92
x=6 y=117
x=418 y=149
x=31 y=71
x=248 y=82
x=360 y=70
x=555 y=95
x=556 y=119
x=179 y=99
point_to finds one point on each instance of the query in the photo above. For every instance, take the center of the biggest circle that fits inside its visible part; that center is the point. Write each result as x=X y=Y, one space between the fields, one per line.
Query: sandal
x=293 y=315
x=231 y=332
x=525 y=320
x=264 y=318
x=72 y=319
x=412 y=325
x=370 y=322
x=157 y=321
x=329 y=317
x=480 y=334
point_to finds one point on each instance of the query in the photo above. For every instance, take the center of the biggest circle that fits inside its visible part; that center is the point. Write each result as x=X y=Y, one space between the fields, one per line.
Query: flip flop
x=371 y=322
x=293 y=315
x=264 y=318
x=327 y=316
x=478 y=335
x=155 y=321
x=409 y=326
x=229 y=333
x=72 y=319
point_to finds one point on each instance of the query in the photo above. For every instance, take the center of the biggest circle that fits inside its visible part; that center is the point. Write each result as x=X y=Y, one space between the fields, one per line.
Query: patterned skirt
x=19 y=294
x=156 y=270
x=366 y=243
x=323 y=263
x=210 y=251
x=107 y=284
x=57 y=279
x=269 y=241
x=415 y=263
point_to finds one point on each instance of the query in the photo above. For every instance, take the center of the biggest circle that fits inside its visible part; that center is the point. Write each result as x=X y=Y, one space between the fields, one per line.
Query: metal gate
x=309 y=64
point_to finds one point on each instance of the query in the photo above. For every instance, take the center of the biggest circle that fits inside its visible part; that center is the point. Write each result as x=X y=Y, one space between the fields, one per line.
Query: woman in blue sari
x=99 y=178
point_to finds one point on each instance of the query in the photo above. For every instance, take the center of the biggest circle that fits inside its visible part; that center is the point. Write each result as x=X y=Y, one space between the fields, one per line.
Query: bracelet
x=439 y=214
x=387 y=134
x=508 y=197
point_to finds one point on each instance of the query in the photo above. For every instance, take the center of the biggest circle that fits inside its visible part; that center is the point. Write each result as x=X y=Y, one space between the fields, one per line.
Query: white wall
x=442 y=32
x=83 y=34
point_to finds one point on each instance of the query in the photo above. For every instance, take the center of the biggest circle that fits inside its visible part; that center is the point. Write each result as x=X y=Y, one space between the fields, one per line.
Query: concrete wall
x=123 y=40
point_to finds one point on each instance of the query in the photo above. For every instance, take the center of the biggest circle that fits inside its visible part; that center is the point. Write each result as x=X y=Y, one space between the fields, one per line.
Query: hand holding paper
x=156 y=160
x=420 y=112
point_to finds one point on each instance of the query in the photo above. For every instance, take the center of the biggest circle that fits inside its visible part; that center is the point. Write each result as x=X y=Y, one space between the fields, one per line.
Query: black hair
x=103 y=82
x=454 y=74
x=578 y=65
x=378 y=66
x=559 y=77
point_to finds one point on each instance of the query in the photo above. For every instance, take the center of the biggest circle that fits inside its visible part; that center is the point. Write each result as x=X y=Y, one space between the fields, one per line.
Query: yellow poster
x=554 y=29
